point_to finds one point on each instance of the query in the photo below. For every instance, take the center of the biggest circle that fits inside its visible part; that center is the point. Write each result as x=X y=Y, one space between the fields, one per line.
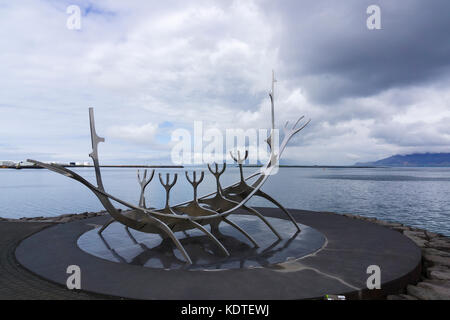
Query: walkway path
x=18 y=283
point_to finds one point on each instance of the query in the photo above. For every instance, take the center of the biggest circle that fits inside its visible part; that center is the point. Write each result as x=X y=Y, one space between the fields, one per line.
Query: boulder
x=432 y=251
x=418 y=241
x=415 y=234
x=400 y=229
x=65 y=220
x=439 y=275
x=436 y=282
x=48 y=220
x=369 y=219
x=439 y=243
x=422 y=293
x=431 y=235
x=440 y=287
x=440 y=268
x=401 y=297
x=389 y=224
x=395 y=297
x=437 y=260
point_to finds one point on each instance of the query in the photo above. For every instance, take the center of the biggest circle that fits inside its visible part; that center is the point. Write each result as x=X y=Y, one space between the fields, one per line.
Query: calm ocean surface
x=418 y=197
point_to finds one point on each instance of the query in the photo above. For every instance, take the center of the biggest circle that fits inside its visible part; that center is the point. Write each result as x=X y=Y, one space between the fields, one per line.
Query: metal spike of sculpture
x=143 y=183
x=211 y=209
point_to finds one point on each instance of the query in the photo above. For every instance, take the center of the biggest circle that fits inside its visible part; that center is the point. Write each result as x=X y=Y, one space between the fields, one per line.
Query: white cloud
x=134 y=133
x=141 y=64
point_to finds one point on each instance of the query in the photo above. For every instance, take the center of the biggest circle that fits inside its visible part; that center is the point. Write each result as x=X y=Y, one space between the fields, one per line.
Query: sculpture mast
x=95 y=140
x=273 y=98
x=272 y=101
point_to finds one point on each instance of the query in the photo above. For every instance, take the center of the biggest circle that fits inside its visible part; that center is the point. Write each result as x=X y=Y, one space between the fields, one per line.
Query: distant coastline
x=397 y=161
x=316 y=166
x=412 y=160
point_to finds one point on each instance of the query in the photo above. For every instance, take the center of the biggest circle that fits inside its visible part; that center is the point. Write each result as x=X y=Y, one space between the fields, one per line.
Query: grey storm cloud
x=327 y=46
x=418 y=134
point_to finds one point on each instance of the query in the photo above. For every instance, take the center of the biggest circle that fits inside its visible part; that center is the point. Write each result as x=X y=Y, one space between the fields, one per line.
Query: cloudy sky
x=150 y=67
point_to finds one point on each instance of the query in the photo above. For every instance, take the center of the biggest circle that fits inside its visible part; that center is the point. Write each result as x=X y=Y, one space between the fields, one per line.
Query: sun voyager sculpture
x=211 y=209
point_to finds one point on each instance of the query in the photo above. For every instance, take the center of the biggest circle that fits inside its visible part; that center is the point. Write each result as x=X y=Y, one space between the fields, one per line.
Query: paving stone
x=17 y=283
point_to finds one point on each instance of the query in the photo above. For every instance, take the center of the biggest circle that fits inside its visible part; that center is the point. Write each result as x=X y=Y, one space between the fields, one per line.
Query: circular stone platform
x=329 y=256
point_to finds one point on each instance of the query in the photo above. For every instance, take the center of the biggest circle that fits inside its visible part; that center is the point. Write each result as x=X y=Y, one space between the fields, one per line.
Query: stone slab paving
x=17 y=283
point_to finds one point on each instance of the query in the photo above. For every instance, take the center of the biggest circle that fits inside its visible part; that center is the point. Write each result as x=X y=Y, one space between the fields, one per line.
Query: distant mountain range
x=412 y=160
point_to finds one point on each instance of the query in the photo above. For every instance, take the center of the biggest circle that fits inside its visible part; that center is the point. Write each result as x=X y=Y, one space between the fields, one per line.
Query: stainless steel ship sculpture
x=211 y=209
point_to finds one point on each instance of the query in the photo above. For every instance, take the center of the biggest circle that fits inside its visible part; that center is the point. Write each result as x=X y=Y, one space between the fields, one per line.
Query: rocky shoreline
x=64 y=218
x=435 y=279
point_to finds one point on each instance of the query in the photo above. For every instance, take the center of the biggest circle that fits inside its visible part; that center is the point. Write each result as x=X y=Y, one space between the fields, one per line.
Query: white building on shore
x=24 y=164
x=7 y=163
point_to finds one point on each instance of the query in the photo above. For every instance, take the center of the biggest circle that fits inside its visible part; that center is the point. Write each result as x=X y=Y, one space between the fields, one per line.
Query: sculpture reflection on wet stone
x=211 y=209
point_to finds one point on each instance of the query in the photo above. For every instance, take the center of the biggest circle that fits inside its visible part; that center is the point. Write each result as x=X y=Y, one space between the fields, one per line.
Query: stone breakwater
x=64 y=218
x=435 y=279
